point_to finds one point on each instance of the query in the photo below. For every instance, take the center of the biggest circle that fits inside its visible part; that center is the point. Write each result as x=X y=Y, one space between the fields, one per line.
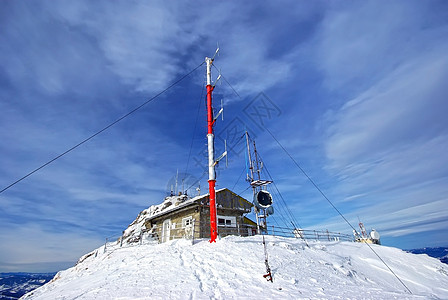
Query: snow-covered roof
x=172 y=203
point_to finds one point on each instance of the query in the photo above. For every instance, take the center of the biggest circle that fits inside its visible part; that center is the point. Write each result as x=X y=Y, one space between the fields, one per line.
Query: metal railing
x=195 y=231
x=146 y=236
x=309 y=234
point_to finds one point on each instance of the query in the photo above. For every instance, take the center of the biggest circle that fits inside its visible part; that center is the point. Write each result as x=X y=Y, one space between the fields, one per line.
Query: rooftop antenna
x=183 y=187
x=177 y=175
x=211 y=148
x=198 y=189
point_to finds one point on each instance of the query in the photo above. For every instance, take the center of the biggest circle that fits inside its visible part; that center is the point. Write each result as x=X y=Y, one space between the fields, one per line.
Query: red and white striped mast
x=211 y=148
x=211 y=152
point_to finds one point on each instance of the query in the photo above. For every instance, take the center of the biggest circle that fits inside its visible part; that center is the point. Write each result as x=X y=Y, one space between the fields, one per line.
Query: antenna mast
x=258 y=186
x=211 y=151
x=250 y=178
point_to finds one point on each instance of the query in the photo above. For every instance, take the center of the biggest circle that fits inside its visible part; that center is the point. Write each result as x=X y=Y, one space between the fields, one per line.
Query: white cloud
x=389 y=144
x=146 y=44
x=360 y=44
x=402 y=108
x=386 y=130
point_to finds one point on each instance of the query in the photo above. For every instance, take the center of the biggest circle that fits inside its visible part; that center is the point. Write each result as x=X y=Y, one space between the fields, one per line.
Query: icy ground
x=233 y=268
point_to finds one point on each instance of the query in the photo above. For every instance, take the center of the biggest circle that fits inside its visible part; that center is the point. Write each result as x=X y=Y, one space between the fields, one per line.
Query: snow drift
x=233 y=268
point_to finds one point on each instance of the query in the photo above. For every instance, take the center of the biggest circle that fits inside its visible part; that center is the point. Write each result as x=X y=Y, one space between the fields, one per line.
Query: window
x=226 y=221
x=187 y=222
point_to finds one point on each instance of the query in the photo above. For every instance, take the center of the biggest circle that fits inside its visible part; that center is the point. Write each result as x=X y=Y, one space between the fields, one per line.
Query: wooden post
x=192 y=232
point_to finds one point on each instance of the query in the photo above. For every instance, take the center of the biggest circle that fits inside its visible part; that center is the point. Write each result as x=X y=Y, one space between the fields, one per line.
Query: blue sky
x=355 y=91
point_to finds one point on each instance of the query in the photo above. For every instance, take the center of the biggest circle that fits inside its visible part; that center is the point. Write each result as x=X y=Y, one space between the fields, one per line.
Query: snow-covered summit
x=233 y=268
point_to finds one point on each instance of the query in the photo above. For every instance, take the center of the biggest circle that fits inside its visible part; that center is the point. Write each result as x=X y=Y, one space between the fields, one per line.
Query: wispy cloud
x=377 y=145
x=386 y=142
x=402 y=108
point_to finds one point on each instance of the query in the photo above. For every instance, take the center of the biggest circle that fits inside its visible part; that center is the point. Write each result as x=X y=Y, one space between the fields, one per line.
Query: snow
x=233 y=268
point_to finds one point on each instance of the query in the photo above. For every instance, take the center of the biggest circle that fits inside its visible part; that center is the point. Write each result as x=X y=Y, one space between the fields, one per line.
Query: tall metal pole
x=254 y=188
x=256 y=161
x=251 y=175
x=211 y=153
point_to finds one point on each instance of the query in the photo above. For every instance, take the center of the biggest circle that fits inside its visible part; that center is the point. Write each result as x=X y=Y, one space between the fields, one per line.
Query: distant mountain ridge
x=15 y=285
x=440 y=253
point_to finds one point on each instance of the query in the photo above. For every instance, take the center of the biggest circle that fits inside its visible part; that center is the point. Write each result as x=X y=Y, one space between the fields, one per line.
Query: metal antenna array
x=262 y=198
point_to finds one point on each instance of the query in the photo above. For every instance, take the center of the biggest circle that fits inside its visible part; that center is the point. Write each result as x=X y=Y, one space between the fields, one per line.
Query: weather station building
x=184 y=217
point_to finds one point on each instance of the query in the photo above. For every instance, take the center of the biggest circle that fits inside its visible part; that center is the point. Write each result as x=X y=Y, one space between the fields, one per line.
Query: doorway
x=166 y=227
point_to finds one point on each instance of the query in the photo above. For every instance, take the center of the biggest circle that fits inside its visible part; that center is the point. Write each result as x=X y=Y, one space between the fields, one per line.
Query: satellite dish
x=374 y=235
x=263 y=199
